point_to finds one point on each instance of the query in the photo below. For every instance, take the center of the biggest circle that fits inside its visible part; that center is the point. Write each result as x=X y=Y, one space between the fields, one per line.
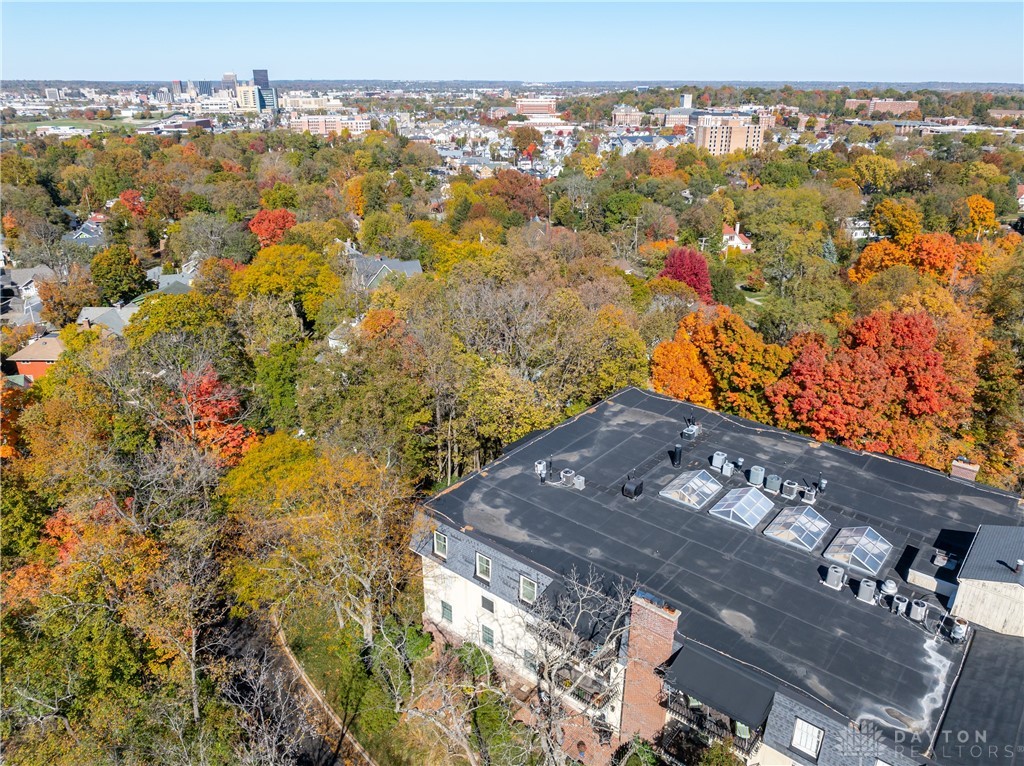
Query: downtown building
x=326 y=124
x=811 y=604
x=723 y=134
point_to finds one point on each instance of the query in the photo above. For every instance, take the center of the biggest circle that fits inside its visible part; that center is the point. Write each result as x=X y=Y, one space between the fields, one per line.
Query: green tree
x=118 y=274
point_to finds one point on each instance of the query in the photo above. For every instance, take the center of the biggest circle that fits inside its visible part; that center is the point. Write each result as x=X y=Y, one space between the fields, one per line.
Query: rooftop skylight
x=800 y=526
x=859 y=547
x=745 y=506
x=694 y=489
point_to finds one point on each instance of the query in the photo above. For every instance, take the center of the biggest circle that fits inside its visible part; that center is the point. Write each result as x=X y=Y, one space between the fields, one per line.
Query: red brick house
x=37 y=357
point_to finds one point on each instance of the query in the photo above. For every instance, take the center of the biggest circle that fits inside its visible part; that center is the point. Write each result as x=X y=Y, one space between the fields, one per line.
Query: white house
x=734 y=238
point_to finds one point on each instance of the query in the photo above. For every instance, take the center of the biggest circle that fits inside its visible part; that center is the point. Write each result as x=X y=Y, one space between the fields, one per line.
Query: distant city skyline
x=725 y=41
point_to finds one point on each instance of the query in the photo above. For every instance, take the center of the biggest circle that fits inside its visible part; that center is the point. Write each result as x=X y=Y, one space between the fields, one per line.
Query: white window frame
x=438 y=536
x=530 y=661
x=523 y=580
x=479 y=569
x=807 y=738
x=450 y=612
x=484 y=630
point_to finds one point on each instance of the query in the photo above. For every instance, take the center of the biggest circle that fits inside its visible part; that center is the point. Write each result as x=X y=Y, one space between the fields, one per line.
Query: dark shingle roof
x=994 y=554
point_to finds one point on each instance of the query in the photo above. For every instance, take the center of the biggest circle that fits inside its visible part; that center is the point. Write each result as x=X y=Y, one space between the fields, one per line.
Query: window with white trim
x=446 y=611
x=530 y=661
x=527 y=589
x=487 y=604
x=440 y=545
x=483 y=567
x=487 y=636
x=807 y=738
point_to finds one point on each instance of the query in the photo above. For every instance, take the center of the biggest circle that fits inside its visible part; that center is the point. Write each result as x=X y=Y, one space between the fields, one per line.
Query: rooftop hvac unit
x=899 y=604
x=578 y=481
x=540 y=467
x=718 y=460
x=633 y=488
x=690 y=432
x=567 y=474
x=728 y=468
x=789 y=489
x=866 y=591
x=810 y=494
x=834 y=577
x=959 y=630
x=918 y=609
x=772 y=483
x=756 y=475
x=889 y=587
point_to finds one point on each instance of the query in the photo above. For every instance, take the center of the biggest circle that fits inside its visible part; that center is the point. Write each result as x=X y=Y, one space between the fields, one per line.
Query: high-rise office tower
x=229 y=82
x=260 y=78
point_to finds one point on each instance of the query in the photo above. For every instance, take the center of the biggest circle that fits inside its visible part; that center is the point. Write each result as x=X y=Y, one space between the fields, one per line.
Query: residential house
x=368 y=272
x=732 y=237
x=113 y=319
x=790 y=597
x=1020 y=196
x=37 y=357
x=856 y=228
x=90 y=233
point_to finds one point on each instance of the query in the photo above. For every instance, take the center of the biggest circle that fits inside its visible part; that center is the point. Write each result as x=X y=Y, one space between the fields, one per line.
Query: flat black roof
x=754 y=600
x=985 y=721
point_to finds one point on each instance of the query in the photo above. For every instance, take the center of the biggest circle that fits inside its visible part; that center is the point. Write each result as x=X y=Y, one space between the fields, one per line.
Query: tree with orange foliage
x=936 y=255
x=740 y=364
x=210 y=415
x=270 y=226
x=677 y=370
x=660 y=165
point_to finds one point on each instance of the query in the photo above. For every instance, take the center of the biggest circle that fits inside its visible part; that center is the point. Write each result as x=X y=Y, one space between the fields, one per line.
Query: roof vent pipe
x=1020 y=566
x=677 y=455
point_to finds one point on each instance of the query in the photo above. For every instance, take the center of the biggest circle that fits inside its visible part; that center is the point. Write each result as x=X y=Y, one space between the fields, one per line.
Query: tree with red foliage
x=686 y=265
x=270 y=226
x=133 y=201
x=211 y=413
x=520 y=192
x=884 y=389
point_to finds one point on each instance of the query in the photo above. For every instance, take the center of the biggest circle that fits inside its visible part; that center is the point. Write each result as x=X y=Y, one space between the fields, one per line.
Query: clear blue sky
x=689 y=41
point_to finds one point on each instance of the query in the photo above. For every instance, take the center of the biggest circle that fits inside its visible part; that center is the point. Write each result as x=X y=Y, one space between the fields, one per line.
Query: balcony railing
x=584 y=688
x=709 y=723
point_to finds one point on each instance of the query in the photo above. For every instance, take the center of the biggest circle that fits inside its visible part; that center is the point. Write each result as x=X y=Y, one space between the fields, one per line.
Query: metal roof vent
x=835 y=577
x=677 y=455
x=866 y=591
x=718 y=460
x=773 y=483
x=633 y=488
x=959 y=630
x=789 y=488
x=756 y=475
x=889 y=587
x=918 y=609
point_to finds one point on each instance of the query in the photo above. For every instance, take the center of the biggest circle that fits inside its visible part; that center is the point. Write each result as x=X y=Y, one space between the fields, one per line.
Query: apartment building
x=624 y=115
x=535 y=105
x=725 y=134
x=884 y=105
x=795 y=598
x=325 y=124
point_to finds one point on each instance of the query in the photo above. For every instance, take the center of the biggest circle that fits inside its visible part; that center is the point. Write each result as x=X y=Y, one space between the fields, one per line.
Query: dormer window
x=527 y=589
x=483 y=567
x=440 y=545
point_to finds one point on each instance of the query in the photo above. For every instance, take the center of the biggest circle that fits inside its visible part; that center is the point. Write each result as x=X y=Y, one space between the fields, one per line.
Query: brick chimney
x=652 y=630
x=964 y=469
